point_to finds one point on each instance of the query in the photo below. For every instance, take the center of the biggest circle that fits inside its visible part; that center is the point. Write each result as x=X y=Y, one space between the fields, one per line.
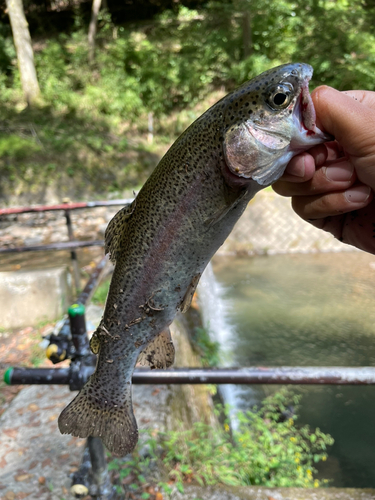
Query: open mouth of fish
x=304 y=117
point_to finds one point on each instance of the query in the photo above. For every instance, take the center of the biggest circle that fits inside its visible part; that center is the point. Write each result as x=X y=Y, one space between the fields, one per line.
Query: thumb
x=350 y=118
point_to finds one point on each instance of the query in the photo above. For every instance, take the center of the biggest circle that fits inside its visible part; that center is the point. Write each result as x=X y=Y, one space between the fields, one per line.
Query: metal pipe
x=63 y=245
x=64 y=206
x=101 y=487
x=328 y=375
x=73 y=253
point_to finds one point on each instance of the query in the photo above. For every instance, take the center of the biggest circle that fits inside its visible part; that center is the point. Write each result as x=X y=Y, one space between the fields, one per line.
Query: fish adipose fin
x=115 y=231
x=159 y=353
x=88 y=415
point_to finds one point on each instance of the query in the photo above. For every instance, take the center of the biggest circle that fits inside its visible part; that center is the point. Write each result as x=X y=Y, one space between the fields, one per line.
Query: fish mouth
x=304 y=117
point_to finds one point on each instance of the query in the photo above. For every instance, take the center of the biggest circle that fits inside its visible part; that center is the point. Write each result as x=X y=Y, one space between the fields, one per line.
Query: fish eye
x=280 y=96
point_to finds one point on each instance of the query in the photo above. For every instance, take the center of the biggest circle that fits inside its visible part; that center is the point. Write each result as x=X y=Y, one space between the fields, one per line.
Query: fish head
x=267 y=121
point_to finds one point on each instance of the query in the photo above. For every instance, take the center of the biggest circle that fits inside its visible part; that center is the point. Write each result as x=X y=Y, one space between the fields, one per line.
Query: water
x=309 y=310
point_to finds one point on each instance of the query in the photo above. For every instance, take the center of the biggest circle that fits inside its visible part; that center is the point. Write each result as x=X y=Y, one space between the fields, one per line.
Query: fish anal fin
x=188 y=297
x=115 y=230
x=159 y=353
x=88 y=415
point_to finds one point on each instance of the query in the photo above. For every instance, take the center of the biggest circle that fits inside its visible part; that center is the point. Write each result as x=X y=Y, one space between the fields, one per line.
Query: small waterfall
x=215 y=319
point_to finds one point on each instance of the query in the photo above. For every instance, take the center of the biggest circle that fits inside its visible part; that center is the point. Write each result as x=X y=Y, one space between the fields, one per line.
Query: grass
x=266 y=450
x=45 y=148
x=100 y=295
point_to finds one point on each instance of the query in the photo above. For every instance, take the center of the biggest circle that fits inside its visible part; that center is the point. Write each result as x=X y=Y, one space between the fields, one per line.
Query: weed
x=208 y=349
x=100 y=295
x=264 y=451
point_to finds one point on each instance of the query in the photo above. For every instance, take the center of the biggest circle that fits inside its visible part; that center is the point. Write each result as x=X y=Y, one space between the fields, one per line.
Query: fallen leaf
x=33 y=464
x=23 y=477
x=26 y=331
x=42 y=480
x=158 y=496
x=22 y=495
x=10 y=495
x=155 y=391
x=12 y=433
x=46 y=462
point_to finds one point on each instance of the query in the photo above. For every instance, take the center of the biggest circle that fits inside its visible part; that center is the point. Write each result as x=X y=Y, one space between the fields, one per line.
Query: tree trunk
x=92 y=28
x=247 y=42
x=24 y=49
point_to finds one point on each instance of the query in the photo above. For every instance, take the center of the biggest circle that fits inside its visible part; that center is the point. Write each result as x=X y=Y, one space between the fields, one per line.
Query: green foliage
x=14 y=146
x=207 y=349
x=264 y=451
x=100 y=295
x=166 y=65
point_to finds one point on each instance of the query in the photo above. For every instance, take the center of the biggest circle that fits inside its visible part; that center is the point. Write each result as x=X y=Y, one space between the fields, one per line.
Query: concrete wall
x=28 y=297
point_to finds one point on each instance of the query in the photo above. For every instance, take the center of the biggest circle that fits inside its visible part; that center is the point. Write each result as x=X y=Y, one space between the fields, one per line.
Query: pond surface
x=310 y=310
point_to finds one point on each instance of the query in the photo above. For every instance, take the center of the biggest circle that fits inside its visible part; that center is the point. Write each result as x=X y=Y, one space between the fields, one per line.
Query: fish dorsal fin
x=115 y=230
x=159 y=353
x=188 y=297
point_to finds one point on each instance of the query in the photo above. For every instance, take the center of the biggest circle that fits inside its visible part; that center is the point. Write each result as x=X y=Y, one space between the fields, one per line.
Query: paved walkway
x=36 y=461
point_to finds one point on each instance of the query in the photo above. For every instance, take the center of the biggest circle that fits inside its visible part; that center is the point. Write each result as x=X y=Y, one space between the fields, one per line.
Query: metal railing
x=72 y=244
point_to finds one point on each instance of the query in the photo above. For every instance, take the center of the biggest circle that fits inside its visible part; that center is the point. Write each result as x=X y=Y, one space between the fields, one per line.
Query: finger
x=301 y=168
x=321 y=206
x=352 y=123
x=342 y=113
x=365 y=97
x=338 y=176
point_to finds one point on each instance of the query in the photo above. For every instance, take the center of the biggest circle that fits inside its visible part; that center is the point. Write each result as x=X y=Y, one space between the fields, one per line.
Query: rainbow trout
x=163 y=241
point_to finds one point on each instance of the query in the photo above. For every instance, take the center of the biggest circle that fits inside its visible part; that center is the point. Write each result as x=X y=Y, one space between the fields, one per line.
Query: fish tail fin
x=88 y=415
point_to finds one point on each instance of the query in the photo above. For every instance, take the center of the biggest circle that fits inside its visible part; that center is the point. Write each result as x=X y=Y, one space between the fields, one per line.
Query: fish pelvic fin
x=115 y=231
x=88 y=415
x=159 y=353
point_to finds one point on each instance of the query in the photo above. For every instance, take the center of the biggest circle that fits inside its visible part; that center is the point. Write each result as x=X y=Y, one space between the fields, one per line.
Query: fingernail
x=296 y=166
x=358 y=194
x=342 y=171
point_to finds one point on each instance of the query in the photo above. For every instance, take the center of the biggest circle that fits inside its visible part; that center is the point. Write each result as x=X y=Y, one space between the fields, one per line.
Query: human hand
x=332 y=184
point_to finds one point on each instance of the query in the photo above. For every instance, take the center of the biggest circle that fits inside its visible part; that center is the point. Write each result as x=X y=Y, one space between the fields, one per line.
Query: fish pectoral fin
x=188 y=297
x=223 y=211
x=115 y=231
x=88 y=415
x=159 y=353
x=216 y=217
